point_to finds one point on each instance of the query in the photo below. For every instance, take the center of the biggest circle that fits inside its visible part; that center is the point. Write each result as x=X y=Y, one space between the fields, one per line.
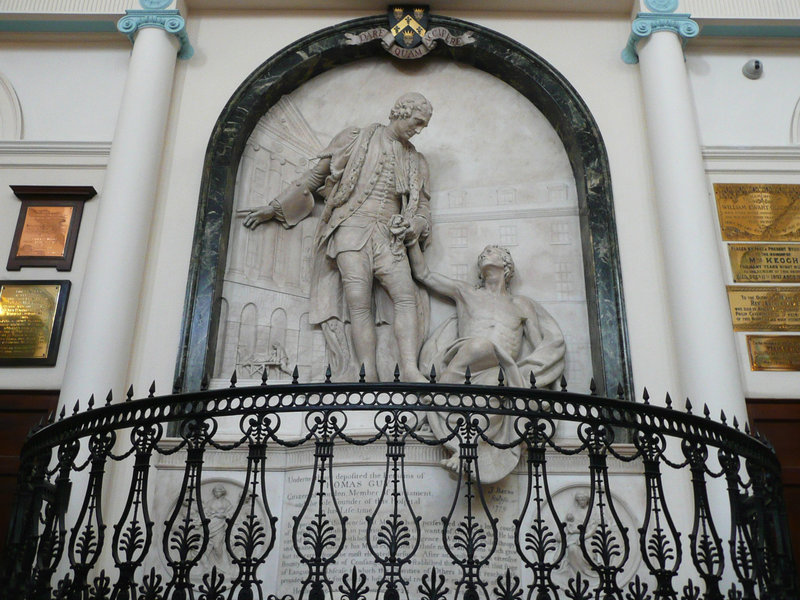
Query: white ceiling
x=619 y=7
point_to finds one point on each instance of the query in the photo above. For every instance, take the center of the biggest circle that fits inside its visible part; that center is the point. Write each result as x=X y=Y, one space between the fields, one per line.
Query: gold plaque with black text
x=31 y=318
x=765 y=308
x=765 y=263
x=758 y=212
x=774 y=352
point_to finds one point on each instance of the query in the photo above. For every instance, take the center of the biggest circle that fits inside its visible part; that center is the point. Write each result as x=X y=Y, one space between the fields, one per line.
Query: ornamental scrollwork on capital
x=661 y=6
x=646 y=24
x=170 y=21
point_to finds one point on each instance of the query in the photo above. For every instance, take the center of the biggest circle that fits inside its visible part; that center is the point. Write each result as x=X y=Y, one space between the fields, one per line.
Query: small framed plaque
x=765 y=263
x=31 y=319
x=774 y=352
x=47 y=227
x=758 y=212
x=773 y=308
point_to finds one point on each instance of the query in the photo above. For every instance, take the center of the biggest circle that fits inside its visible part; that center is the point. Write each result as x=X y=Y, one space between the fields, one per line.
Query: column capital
x=646 y=23
x=170 y=21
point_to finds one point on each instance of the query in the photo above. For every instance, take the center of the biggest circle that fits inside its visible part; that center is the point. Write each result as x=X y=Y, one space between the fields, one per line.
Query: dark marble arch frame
x=492 y=52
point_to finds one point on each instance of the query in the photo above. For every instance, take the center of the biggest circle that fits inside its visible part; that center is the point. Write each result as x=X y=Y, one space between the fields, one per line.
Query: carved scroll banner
x=31 y=317
x=408 y=36
x=758 y=212
x=765 y=308
x=774 y=352
x=765 y=263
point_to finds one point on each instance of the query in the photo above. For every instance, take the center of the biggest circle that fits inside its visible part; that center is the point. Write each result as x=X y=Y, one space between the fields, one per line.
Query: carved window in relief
x=564 y=284
x=560 y=233
x=557 y=193
x=456 y=198
x=506 y=196
x=460 y=272
x=508 y=235
x=458 y=237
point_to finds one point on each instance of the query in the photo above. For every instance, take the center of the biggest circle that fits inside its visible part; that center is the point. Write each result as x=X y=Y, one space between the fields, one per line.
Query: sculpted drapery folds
x=376 y=202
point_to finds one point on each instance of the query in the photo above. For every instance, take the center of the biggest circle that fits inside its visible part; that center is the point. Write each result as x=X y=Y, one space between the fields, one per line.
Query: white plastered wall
x=748 y=130
x=69 y=94
x=229 y=47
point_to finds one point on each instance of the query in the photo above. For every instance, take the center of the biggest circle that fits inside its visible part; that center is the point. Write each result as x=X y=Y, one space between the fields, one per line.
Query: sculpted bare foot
x=453 y=463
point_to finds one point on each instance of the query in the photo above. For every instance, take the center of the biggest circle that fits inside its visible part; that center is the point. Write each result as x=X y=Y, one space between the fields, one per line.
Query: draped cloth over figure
x=360 y=159
x=536 y=346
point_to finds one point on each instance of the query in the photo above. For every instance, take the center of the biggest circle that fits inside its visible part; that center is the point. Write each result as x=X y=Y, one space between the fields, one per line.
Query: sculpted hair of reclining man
x=493 y=329
x=375 y=188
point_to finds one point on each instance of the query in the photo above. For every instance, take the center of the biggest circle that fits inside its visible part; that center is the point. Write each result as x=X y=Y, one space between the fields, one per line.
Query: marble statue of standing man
x=376 y=203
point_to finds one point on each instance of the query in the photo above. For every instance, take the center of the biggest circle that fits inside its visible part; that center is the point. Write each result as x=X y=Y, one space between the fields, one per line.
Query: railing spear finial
x=735 y=423
x=706 y=411
x=723 y=418
x=151 y=393
x=646 y=396
x=668 y=401
x=264 y=375
x=234 y=379
x=328 y=373
x=501 y=377
x=129 y=395
x=563 y=383
x=109 y=397
x=295 y=375
x=362 y=374
x=468 y=376
x=77 y=407
x=62 y=413
x=592 y=387
x=688 y=406
x=91 y=402
x=532 y=380
x=396 y=373
x=432 y=376
x=204 y=383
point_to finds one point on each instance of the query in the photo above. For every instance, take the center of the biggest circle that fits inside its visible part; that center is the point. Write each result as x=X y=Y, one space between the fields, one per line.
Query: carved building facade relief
x=494 y=180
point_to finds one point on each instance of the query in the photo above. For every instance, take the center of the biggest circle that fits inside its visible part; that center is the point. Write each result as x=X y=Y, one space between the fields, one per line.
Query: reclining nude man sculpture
x=375 y=188
x=492 y=329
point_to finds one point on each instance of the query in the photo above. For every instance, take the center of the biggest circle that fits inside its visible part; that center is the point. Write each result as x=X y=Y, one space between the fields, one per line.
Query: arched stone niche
x=523 y=70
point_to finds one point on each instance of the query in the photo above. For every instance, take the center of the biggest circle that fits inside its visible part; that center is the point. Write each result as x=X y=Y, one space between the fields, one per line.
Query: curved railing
x=73 y=538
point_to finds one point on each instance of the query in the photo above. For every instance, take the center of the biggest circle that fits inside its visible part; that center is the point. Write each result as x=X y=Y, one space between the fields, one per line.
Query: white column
x=700 y=316
x=100 y=349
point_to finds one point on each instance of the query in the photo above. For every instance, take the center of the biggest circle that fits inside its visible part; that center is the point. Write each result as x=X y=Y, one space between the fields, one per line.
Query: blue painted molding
x=56 y=26
x=168 y=20
x=646 y=23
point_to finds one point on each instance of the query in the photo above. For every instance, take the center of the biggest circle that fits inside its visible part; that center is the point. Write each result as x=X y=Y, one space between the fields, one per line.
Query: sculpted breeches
x=358 y=269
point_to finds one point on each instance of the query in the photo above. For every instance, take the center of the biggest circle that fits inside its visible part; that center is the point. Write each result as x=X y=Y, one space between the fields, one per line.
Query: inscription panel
x=45 y=230
x=758 y=212
x=430 y=491
x=765 y=263
x=774 y=352
x=765 y=308
x=31 y=315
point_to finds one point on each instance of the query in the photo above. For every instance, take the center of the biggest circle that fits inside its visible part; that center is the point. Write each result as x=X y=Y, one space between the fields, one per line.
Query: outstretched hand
x=254 y=217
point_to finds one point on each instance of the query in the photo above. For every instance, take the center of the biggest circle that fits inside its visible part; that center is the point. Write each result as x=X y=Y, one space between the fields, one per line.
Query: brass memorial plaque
x=31 y=317
x=765 y=308
x=765 y=263
x=774 y=352
x=45 y=230
x=758 y=212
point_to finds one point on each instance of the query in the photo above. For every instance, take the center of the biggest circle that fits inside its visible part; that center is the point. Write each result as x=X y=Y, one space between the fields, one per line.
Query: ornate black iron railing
x=73 y=537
